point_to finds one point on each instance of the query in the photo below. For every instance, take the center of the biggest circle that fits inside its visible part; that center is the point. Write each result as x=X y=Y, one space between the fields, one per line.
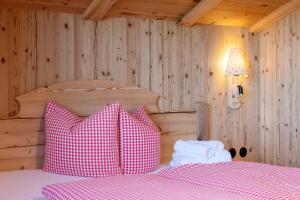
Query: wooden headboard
x=22 y=137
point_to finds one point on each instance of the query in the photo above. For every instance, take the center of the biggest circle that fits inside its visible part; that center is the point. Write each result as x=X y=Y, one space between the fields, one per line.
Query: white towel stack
x=205 y=152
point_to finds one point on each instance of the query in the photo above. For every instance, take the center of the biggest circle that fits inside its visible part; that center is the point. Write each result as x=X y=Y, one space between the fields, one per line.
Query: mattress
x=27 y=184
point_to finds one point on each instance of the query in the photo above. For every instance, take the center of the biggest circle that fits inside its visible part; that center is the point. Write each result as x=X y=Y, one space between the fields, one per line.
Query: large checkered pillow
x=139 y=142
x=82 y=147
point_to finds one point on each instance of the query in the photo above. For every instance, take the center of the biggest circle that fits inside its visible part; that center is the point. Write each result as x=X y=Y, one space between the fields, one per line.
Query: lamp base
x=233 y=99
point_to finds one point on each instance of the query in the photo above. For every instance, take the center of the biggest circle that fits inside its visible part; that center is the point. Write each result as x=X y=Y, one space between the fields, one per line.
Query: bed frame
x=22 y=137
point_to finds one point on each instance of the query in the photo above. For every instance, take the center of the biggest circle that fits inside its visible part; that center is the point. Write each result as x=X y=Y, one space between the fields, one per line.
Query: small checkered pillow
x=82 y=147
x=142 y=116
x=139 y=142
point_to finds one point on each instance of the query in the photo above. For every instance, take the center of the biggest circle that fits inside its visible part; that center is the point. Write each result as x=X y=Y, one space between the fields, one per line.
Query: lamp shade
x=235 y=64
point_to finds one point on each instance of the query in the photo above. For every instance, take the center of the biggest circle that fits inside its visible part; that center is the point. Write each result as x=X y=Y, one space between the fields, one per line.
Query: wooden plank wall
x=280 y=92
x=184 y=65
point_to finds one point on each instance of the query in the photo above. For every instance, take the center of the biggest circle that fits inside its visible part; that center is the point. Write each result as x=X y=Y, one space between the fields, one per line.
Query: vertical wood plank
x=269 y=98
x=176 y=68
x=251 y=117
x=262 y=100
x=65 y=48
x=187 y=100
x=199 y=64
x=217 y=84
x=85 y=49
x=283 y=93
x=167 y=35
x=118 y=67
x=22 y=55
x=293 y=85
x=103 y=49
x=156 y=67
x=133 y=50
x=145 y=54
x=46 y=57
x=296 y=109
x=4 y=65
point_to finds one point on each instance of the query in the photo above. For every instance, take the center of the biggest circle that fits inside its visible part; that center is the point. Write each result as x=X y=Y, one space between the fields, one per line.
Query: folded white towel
x=179 y=159
x=217 y=145
x=221 y=156
x=193 y=148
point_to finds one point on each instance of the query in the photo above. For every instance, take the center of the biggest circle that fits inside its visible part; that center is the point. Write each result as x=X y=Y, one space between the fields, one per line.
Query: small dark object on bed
x=232 y=152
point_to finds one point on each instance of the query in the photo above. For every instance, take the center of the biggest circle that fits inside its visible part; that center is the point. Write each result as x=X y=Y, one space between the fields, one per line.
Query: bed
x=22 y=137
x=28 y=184
x=22 y=141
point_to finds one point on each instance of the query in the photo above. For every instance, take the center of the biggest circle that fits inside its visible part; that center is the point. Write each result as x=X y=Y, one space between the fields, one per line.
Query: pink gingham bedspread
x=134 y=187
x=234 y=180
x=261 y=181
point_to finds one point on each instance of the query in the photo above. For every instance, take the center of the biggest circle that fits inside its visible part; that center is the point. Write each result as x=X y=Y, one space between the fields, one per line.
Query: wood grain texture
x=98 y=9
x=74 y=6
x=204 y=113
x=4 y=66
x=32 y=104
x=22 y=163
x=274 y=16
x=29 y=132
x=201 y=9
x=183 y=65
x=22 y=141
x=240 y=13
x=153 y=9
x=279 y=90
x=228 y=12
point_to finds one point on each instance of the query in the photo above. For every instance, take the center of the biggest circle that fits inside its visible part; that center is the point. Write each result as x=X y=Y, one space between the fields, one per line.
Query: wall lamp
x=234 y=69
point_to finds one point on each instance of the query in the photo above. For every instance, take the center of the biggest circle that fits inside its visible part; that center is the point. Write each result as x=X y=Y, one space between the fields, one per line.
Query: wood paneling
x=240 y=12
x=228 y=12
x=274 y=16
x=183 y=65
x=32 y=104
x=280 y=92
x=18 y=56
x=153 y=9
x=16 y=133
x=202 y=8
x=4 y=67
x=22 y=141
x=98 y=9
x=74 y=6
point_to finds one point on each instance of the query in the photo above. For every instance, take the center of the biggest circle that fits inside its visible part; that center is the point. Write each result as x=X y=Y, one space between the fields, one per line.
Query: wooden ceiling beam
x=202 y=8
x=74 y=6
x=275 y=16
x=98 y=9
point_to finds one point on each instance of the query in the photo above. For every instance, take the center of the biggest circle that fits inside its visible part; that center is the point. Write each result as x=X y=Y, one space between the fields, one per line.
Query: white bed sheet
x=28 y=184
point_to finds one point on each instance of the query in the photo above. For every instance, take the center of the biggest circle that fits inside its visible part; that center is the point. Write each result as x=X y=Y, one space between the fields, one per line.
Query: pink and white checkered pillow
x=82 y=147
x=142 y=116
x=139 y=143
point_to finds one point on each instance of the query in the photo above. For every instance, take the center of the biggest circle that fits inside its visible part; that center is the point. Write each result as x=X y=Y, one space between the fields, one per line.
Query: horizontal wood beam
x=275 y=16
x=202 y=8
x=77 y=7
x=98 y=9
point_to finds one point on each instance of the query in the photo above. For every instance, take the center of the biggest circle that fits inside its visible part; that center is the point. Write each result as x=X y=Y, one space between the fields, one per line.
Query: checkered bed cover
x=234 y=180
